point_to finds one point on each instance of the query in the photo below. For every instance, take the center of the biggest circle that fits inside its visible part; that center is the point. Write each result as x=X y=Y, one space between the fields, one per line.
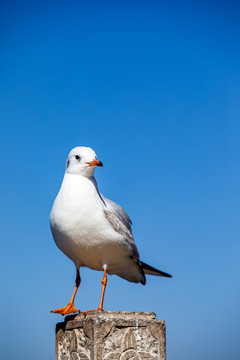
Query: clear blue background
x=154 y=88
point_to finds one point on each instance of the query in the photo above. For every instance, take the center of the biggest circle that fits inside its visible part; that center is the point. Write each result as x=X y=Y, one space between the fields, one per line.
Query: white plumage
x=90 y=229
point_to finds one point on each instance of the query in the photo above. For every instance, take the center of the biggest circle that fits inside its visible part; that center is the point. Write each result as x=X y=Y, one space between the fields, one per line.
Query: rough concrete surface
x=111 y=336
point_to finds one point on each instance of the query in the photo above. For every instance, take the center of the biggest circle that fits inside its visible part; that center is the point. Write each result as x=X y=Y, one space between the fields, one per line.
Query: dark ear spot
x=68 y=163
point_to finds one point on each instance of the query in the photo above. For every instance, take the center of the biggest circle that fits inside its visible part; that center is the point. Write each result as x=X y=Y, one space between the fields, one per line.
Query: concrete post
x=111 y=336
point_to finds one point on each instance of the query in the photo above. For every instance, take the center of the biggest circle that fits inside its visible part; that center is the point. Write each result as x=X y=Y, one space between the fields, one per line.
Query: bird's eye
x=77 y=157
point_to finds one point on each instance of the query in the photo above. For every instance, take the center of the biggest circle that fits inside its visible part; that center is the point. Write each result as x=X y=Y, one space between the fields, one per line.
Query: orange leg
x=70 y=308
x=104 y=283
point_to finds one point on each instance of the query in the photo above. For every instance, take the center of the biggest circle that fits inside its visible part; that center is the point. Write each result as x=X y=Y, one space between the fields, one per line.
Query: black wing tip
x=167 y=275
x=162 y=273
x=141 y=266
x=148 y=267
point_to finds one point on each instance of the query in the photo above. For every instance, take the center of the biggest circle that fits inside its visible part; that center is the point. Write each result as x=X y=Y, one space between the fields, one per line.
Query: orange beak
x=95 y=163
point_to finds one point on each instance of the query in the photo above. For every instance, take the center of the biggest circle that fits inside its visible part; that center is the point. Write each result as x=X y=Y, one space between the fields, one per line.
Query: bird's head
x=82 y=161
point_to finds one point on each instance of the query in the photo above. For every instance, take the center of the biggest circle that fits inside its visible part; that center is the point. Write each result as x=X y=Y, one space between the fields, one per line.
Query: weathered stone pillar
x=111 y=336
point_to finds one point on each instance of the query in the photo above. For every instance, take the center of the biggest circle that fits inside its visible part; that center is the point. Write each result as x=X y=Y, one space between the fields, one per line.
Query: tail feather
x=152 y=271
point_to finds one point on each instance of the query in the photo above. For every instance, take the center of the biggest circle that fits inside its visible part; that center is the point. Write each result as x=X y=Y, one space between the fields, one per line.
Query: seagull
x=92 y=230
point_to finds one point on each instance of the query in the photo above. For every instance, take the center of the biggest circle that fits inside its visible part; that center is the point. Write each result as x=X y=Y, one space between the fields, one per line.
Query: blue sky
x=153 y=88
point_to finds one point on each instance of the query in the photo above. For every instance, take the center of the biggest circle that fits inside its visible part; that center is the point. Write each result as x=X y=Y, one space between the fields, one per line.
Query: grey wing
x=118 y=211
x=120 y=221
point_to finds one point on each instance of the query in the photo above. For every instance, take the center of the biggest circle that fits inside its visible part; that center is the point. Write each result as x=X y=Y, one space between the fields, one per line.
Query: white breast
x=79 y=226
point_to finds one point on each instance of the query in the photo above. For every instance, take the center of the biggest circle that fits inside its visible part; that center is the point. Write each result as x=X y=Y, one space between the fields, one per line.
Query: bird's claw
x=90 y=311
x=69 y=309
